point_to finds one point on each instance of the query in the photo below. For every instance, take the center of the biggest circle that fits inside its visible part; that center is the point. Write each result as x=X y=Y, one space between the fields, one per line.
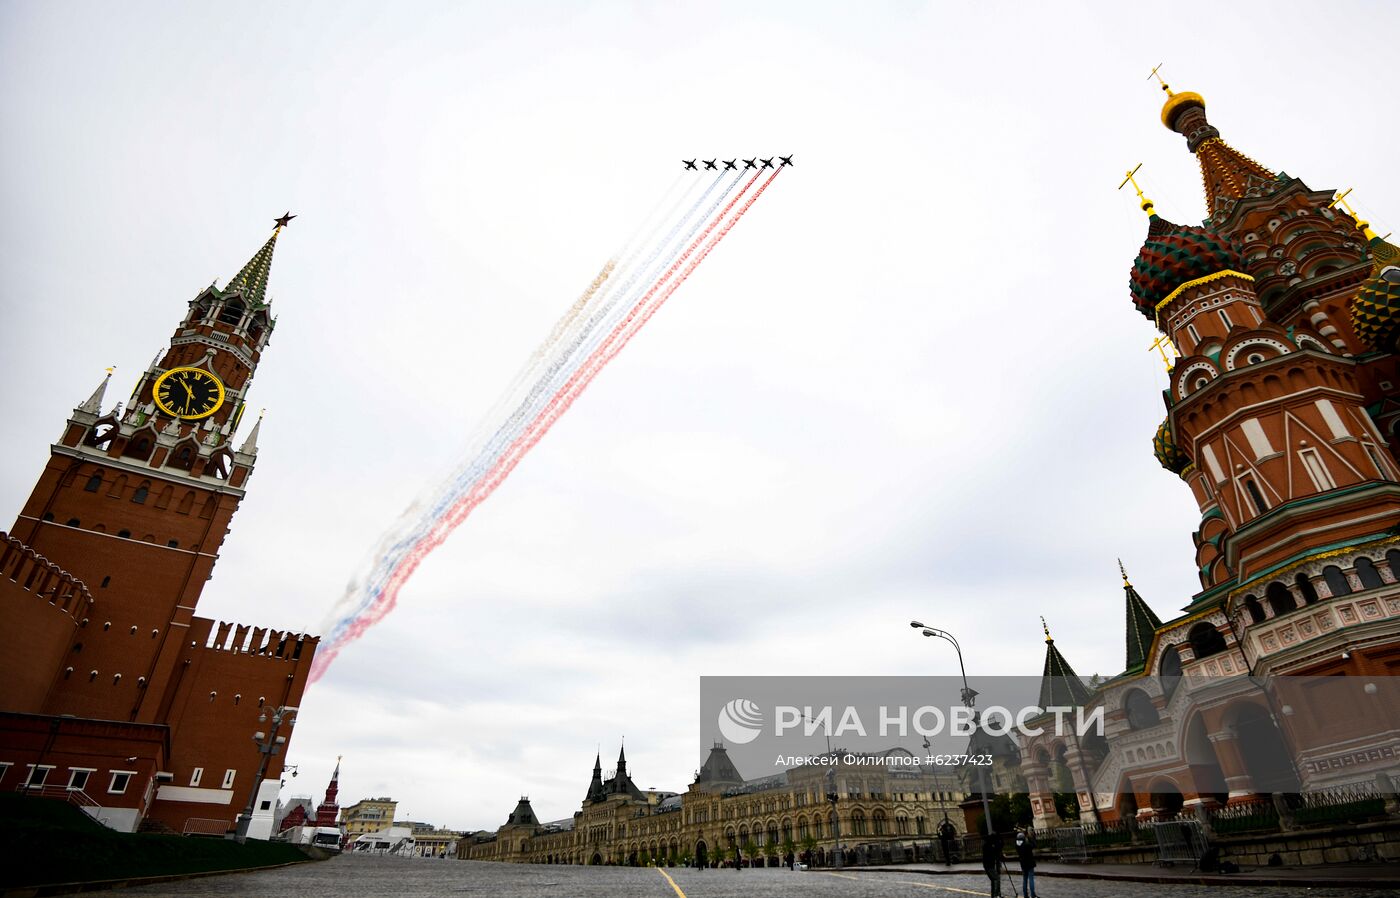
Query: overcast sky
x=910 y=383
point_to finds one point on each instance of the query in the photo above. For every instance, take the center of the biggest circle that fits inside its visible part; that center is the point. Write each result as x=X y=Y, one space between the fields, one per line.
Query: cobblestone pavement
x=385 y=877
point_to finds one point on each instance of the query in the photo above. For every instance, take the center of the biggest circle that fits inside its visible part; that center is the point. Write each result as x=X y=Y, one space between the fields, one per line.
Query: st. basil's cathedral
x=1283 y=419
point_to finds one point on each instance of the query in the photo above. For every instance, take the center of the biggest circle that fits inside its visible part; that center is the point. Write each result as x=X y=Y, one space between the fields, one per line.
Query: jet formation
x=733 y=164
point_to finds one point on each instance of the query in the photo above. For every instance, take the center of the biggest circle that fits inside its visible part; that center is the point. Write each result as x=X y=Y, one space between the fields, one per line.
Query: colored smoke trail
x=419 y=531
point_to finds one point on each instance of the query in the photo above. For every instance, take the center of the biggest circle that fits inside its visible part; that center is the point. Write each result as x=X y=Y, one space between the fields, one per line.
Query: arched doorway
x=702 y=854
x=1207 y=779
x=597 y=859
x=1167 y=799
x=1262 y=751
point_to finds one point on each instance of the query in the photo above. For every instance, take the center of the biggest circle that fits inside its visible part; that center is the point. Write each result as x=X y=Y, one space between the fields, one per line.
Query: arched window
x=1206 y=640
x=1392 y=558
x=1171 y=668
x=1305 y=588
x=1336 y=580
x=1260 y=506
x=187 y=503
x=94 y=483
x=1367 y=573
x=142 y=491
x=73 y=522
x=124 y=534
x=1142 y=713
x=878 y=819
x=1281 y=601
x=232 y=312
x=1256 y=611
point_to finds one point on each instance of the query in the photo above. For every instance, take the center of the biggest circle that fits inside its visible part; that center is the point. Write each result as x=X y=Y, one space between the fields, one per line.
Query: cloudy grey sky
x=909 y=384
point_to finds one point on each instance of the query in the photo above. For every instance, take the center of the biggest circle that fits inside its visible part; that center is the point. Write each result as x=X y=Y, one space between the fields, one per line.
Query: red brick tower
x=328 y=811
x=126 y=521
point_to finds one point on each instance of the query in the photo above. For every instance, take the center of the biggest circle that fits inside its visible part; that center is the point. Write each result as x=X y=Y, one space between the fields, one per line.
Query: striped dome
x=1172 y=255
x=1375 y=310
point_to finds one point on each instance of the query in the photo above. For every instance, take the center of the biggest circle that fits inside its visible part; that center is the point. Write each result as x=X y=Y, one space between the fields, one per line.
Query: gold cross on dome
x=1363 y=226
x=1162 y=344
x=1156 y=73
x=1131 y=178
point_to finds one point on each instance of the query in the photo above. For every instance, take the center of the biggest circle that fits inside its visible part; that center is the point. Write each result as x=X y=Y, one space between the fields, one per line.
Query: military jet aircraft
x=787 y=160
x=729 y=164
x=710 y=165
x=750 y=163
x=690 y=165
x=768 y=163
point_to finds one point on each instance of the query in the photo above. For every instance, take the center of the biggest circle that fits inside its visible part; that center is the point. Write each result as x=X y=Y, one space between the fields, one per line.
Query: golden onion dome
x=1176 y=103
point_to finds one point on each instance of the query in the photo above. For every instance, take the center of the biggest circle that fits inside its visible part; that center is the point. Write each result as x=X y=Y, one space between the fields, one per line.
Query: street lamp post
x=269 y=743
x=969 y=697
x=832 y=796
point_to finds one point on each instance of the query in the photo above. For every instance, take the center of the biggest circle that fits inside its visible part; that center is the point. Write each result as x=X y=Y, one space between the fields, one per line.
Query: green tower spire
x=251 y=280
x=1143 y=624
x=1059 y=685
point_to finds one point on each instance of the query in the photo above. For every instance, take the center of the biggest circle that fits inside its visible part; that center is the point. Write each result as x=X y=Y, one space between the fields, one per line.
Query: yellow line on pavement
x=671 y=881
x=905 y=882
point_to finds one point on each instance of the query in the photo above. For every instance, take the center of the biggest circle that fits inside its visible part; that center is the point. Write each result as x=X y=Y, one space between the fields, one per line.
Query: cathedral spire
x=1228 y=174
x=1060 y=687
x=1143 y=623
x=251 y=280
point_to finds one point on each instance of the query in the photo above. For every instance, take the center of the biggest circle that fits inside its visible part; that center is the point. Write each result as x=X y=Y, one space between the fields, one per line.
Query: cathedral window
x=1392 y=558
x=1206 y=640
x=124 y=534
x=1375 y=457
x=174 y=543
x=142 y=491
x=1336 y=581
x=106 y=582
x=1255 y=610
x=1305 y=588
x=1317 y=470
x=228 y=778
x=1281 y=601
x=1225 y=319
x=1260 y=506
x=1368 y=575
x=94 y=483
x=73 y=522
x=1195 y=336
x=1170 y=669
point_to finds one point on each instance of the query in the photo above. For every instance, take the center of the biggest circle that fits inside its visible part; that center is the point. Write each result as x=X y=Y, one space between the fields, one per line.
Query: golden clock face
x=189 y=393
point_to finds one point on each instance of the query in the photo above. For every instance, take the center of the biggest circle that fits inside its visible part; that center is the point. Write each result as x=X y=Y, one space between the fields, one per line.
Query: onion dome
x=1375 y=310
x=1167 y=451
x=1172 y=255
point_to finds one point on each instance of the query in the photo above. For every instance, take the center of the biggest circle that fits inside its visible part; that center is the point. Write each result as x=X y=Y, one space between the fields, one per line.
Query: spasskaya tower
x=103 y=570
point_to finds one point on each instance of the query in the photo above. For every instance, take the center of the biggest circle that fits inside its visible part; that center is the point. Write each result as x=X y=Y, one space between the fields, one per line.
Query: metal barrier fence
x=1179 y=841
x=1070 y=844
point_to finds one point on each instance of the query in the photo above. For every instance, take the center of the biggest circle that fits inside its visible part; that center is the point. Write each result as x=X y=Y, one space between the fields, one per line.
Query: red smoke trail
x=604 y=353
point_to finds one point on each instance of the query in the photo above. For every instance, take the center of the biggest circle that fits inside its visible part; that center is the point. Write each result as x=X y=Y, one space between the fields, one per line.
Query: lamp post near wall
x=269 y=743
x=969 y=696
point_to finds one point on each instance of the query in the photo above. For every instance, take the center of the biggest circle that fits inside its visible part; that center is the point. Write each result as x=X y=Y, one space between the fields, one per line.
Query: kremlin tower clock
x=114 y=689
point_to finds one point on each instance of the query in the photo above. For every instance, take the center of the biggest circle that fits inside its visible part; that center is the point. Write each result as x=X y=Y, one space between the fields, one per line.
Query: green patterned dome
x=1172 y=255
x=1167 y=451
x=1375 y=310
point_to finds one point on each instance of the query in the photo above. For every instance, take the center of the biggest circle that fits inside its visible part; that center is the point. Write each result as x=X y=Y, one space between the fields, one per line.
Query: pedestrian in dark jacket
x=946 y=835
x=991 y=861
x=1025 y=851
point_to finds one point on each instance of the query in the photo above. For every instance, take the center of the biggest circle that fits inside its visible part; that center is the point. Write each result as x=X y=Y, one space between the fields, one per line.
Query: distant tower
x=328 y=811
